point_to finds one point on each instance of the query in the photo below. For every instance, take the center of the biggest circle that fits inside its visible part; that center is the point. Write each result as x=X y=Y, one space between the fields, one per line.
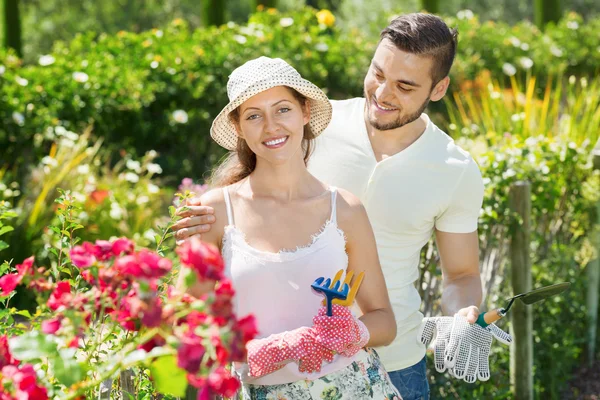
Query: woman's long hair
x=242 y=161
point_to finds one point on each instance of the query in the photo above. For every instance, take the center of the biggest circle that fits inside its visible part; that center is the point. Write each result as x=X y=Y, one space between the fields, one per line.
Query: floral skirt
x=364 y=379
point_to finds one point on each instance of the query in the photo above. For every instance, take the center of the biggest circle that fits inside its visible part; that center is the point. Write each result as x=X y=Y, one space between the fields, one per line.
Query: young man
x=413 y=181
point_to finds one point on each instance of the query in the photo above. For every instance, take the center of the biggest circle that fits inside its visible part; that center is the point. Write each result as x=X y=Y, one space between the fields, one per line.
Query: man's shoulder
x=445 y=149
x=341 y=107
x=345 y=121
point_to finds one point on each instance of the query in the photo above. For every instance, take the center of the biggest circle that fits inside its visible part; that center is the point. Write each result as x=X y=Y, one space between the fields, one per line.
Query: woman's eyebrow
x=273 y=105
x=281 y=101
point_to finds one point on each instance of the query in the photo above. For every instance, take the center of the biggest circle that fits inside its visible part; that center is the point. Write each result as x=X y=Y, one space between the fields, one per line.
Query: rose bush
x=115 y=310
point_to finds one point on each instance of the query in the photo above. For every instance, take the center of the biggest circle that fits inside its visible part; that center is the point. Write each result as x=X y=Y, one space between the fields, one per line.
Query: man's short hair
x=424 y=35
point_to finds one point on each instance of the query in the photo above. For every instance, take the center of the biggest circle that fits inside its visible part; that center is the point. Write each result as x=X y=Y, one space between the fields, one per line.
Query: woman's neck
x=283 y=182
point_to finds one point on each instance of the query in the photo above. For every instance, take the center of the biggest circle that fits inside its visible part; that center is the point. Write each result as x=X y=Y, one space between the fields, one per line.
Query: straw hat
x=259 y=75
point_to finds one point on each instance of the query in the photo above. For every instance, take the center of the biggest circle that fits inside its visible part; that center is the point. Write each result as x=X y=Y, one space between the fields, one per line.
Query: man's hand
x=461 y=347
x=471 y=313
x=196 y=219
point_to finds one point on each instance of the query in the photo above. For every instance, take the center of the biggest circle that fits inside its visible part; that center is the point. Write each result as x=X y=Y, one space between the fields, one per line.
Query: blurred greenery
x=160 y=89
x=43 y=24
x=514 y=135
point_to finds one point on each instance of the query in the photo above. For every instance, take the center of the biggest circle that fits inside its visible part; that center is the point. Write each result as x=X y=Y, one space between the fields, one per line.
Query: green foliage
x=6 y=213
x=515 y=136
x=160 y=90
x=569 y=47
x=124 y=199
x=168 y=377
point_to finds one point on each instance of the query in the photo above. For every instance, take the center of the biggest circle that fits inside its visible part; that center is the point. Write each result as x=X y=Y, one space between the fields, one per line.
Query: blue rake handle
x=321 y=285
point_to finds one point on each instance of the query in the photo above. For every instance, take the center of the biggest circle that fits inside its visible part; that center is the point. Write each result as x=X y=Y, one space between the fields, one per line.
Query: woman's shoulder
x=348 y=206
x=215 y=198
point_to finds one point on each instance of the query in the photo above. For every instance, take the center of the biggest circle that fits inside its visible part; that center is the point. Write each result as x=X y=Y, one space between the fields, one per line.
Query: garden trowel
x=527 y=298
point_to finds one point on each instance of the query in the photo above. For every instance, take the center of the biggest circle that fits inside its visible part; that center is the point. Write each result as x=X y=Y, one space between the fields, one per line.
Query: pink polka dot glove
x=341 y=332
x=269 y=354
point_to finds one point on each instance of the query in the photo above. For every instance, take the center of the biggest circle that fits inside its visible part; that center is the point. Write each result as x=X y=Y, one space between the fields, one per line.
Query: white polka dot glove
x=341 y=332
x=269 y=354
x=461 y=347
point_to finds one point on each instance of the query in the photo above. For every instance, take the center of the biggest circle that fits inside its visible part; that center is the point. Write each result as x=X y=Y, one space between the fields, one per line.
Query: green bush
x=517 y=137
x=160 y=90
x=124 y=199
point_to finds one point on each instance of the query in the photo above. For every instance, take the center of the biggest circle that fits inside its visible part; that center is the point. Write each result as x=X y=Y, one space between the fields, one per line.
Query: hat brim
x=223 y=130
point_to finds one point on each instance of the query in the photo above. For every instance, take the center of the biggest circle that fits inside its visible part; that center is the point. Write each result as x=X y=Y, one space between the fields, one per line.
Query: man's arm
x=462 y=290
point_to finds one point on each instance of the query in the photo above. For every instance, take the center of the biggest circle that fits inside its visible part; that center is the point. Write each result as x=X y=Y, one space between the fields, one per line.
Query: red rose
x=203 y=258
x=143 y=265
x=26 y=267
x=152 y=313
x=246 y=327
x=156 y=341
x=190 y=353
x=83 y=256
x=221 y=381
x=51 y=326
x=5 y=357
x=61 y=296
x=122 y=245
x=224 y=289
x=8 y=283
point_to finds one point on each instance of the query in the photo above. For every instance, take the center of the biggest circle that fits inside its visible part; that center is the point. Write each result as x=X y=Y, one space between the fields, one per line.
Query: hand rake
x=527 y=298
x=336 y=291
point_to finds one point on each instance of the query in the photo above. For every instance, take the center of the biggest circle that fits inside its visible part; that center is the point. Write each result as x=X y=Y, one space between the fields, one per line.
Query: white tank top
x=275 y=287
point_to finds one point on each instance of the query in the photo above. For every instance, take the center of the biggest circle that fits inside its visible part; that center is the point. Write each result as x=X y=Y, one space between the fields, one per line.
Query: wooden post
x=127 y=385
x=12 y=26
x=545 y=11
x=213 y=12
x=431 y=6
x=593 y=275
x=105 y=389
x=521 y=350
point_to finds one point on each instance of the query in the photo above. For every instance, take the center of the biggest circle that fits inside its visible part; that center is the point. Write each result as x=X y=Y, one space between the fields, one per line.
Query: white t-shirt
x=433 y=183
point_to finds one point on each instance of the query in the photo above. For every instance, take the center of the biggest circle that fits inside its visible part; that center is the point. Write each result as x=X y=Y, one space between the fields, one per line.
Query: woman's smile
x=276 y=142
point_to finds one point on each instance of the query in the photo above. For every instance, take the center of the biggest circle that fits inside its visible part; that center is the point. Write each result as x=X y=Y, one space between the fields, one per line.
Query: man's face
x=398 y=87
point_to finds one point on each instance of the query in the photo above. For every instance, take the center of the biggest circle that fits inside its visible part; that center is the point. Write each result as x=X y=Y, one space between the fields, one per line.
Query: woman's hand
x=272 y=353
x=341 y=332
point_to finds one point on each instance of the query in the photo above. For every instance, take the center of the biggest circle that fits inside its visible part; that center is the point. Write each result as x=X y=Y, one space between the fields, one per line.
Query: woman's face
x=272 y=123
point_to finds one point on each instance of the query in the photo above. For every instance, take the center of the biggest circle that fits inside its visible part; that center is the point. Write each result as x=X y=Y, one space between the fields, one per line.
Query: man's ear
x=306 y=112
x=439 y=90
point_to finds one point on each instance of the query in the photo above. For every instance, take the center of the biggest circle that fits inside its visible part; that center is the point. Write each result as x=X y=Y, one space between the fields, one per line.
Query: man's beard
x=400 y=121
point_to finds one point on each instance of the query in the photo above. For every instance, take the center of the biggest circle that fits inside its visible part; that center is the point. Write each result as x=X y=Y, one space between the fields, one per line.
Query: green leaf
x=24 y=313
x=168 y=377
x=66 y=368
x=189 y=277
x=3 y=245
x=9 y=214
x=32 y=346
x=6 y=229
x=172 y=211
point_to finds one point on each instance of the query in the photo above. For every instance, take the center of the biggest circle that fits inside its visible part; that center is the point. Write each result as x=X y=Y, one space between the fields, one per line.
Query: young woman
x=279 y=228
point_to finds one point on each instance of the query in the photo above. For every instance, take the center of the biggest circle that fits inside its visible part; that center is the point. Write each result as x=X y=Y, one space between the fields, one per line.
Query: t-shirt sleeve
x=462 y=211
